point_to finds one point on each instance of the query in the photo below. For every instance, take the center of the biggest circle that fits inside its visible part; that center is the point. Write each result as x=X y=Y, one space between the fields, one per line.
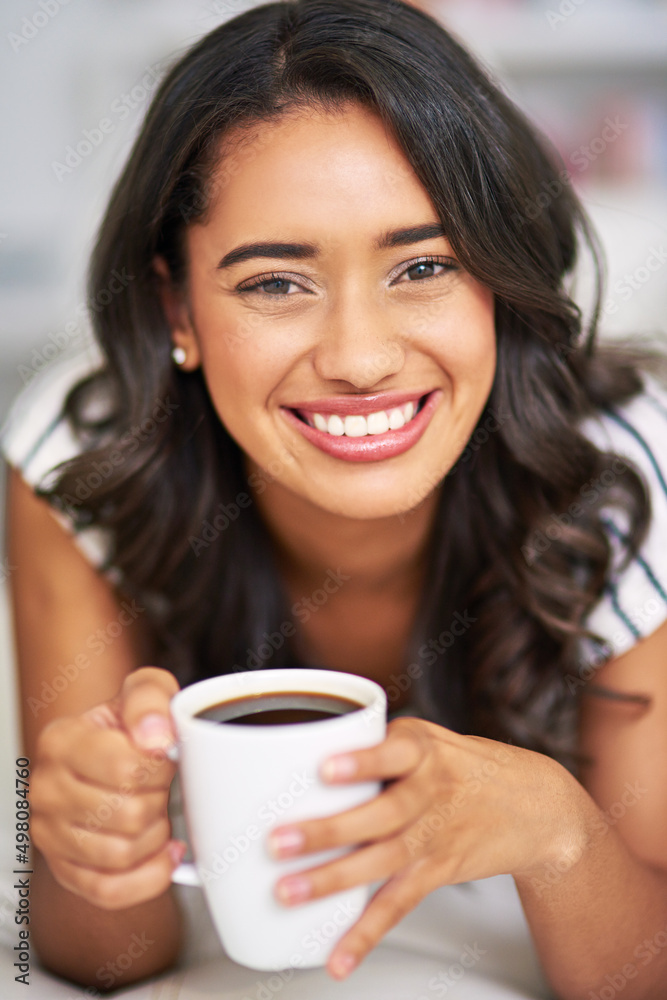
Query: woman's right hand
x=99 y=790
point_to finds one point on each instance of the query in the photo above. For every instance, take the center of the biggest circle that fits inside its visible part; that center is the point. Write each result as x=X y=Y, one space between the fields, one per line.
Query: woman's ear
x=178 y=316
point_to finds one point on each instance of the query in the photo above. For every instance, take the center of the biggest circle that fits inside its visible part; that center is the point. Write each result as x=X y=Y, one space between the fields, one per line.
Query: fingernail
x=338 y=767
x=286 y=842
x=177 y=851
x=294 y=889
x=342 y=965
x=153 y=732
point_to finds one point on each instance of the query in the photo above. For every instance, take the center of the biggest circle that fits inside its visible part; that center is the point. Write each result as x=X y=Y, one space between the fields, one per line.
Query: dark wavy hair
x=497 y=186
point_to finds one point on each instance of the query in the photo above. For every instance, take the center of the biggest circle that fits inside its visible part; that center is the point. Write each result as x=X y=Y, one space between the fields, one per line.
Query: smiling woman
x=362 y=321
x=373 y=374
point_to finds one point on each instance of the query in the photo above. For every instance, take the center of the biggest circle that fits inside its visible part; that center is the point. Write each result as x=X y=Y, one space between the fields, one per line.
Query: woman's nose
x=357 y=345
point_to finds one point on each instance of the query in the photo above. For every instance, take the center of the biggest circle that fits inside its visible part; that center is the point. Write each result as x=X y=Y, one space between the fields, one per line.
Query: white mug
x=239 y=781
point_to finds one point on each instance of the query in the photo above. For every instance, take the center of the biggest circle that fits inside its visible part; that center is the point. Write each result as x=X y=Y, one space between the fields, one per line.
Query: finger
x=103 y=757
x=144 y=707
x=390 y=904
x=117 y=891
x=104 y=851
x=111 y=852
x=367 y=864
x=398 y=806
x=401 y=752
x=95 y=810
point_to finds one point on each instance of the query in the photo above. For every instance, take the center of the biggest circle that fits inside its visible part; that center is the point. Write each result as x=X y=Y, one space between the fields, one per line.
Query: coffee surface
x=279 y=709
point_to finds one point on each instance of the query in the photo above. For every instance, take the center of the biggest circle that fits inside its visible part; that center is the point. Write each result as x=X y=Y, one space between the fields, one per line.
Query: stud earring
x=179 y=355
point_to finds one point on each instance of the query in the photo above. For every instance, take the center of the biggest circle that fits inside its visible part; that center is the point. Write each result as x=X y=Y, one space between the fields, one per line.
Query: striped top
x=35 y=438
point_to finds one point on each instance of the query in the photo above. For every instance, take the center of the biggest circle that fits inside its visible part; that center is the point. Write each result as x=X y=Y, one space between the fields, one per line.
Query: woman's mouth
x=362 y=437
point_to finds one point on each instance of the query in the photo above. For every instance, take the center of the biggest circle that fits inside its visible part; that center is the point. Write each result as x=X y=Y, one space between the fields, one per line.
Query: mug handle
x=186 y=873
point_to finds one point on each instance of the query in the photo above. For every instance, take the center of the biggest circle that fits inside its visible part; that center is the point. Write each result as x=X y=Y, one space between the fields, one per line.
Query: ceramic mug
x=239 y=781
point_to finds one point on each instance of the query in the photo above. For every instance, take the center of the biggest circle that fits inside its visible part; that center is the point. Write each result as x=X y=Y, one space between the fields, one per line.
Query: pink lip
x=352 y=405
x=372 y=447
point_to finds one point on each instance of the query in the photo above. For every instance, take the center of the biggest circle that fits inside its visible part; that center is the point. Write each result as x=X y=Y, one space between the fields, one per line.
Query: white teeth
x=378 y=423
x=335 y=425
x=396 y=419
x=357 y=425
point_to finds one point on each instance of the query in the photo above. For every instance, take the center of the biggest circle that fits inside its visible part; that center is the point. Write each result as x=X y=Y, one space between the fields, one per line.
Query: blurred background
x=591 y=73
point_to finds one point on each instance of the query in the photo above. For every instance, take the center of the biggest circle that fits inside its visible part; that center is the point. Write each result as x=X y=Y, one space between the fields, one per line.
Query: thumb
x=143 y=707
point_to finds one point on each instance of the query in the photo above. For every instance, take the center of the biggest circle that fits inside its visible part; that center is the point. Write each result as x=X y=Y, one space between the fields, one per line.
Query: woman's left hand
x=457 y=808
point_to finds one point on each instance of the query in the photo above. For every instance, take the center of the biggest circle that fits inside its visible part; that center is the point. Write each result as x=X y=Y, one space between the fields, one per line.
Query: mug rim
x=194 y=698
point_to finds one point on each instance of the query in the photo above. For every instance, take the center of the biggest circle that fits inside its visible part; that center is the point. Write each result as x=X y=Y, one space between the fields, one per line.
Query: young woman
x=337 y=349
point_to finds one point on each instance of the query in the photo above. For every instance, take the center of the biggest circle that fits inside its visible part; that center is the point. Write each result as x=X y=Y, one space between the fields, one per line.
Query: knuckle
x=40 y=791
x=364 y=939
x=52 y=739
x=151 y=677
x=152 y=767
x=164 y=829
x=59 y=872
x=136 y=815
x=118 y=855
x=392 y=813
x=409 y=730
x=123 y=772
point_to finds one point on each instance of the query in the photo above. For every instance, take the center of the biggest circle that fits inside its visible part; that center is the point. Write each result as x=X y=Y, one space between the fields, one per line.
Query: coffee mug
x=239 y=781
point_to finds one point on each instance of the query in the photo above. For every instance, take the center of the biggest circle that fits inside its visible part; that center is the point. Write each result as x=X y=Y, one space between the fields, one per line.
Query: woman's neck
x=384 y=554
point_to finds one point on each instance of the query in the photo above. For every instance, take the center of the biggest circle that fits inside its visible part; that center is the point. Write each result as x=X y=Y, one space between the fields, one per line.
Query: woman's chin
x=367 y=506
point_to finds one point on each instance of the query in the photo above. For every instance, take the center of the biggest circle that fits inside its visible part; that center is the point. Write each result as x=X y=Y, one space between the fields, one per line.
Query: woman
x=339 y=348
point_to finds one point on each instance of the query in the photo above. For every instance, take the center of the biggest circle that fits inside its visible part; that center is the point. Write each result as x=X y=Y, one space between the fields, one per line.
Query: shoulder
x=36 y=436
x=634 y=604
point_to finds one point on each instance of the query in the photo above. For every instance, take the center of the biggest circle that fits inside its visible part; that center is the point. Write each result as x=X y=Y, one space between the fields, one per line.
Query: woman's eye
x=275 y=286
x=427 y=269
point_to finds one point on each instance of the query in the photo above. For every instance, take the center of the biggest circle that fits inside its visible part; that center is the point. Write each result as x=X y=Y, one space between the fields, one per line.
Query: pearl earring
x=179 y=354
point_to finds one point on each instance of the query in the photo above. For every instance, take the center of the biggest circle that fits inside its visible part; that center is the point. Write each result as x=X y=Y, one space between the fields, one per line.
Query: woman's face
x=320 y=283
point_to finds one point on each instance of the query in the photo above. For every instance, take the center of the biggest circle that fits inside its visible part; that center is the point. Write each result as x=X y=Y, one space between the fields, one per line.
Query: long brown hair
x=515 y=226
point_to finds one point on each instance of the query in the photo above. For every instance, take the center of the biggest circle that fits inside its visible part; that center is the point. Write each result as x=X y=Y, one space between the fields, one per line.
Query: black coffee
x=279 y=709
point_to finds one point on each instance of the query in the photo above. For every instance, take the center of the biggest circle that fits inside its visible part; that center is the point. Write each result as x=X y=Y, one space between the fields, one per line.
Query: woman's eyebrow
x=305 y=251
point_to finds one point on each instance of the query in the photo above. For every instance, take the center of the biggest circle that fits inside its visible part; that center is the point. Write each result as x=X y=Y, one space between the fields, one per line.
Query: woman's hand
x=456 y=808
x=99 y=791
